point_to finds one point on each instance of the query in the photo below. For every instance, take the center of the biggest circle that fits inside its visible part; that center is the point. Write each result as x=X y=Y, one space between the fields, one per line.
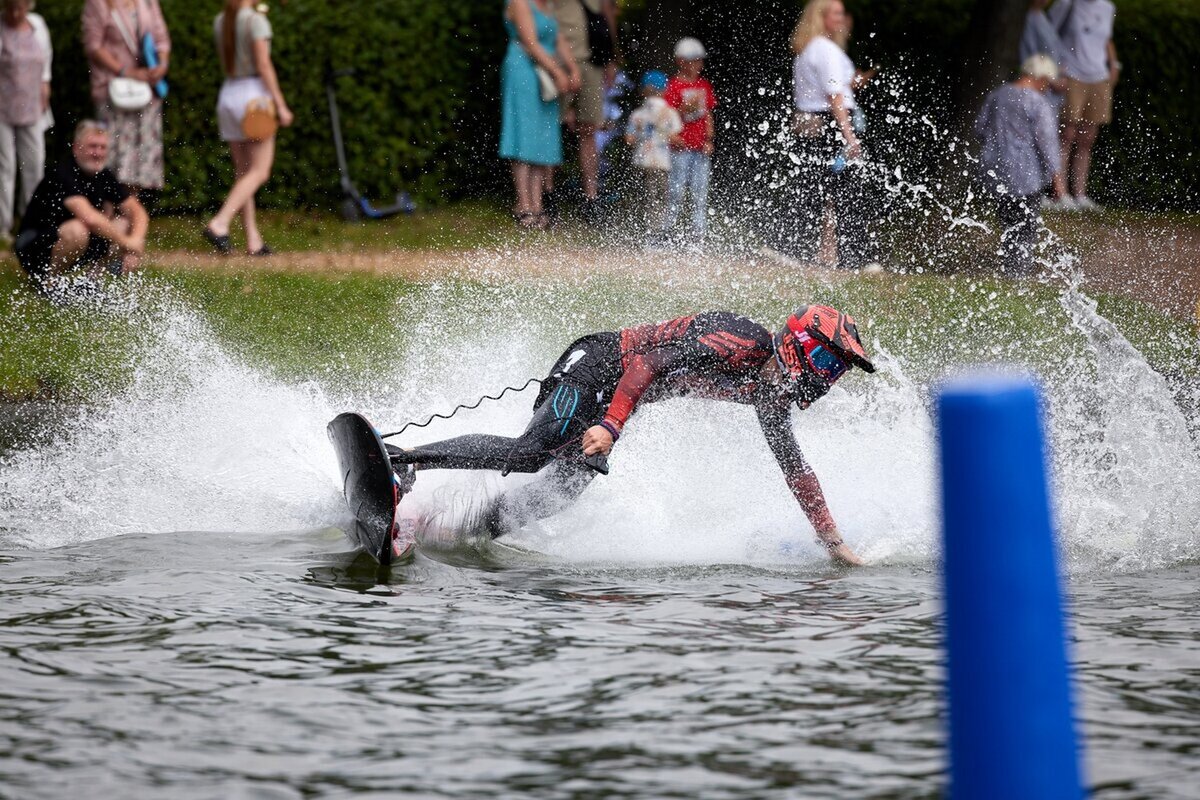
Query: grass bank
x=340 y=328
x=332 y=322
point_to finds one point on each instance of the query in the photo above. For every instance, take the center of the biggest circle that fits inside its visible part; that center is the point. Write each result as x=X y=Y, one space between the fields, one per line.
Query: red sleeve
x=776 y=426
x=807 y=490
x=712 y=96
x=640 y=370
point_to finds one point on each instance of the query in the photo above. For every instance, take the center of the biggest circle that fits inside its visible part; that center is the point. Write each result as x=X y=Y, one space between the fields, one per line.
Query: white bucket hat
x=690 y=49
x=1040 y=65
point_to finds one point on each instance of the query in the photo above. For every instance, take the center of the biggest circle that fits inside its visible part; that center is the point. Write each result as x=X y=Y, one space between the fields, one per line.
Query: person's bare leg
x=589 y=160
x=122 y=224
x=71 y=244
x=249 y=213
x=521 y=177
x=537 y=179
x=1068 y=143
x=1081 y=164
x=262 y=156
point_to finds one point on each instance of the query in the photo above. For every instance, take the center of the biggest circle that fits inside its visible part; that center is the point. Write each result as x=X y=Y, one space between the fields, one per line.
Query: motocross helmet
x=815 y=347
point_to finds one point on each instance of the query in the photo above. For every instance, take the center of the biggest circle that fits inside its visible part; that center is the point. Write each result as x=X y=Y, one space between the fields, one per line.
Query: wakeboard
x=373 y=491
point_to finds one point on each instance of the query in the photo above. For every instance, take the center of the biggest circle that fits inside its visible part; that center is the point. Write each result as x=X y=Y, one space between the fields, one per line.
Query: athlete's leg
x=556 y=487
x=568 y=403
x=559 y=420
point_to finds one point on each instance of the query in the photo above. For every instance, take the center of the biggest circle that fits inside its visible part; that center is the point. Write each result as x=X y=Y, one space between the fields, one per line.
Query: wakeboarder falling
x=600 y=380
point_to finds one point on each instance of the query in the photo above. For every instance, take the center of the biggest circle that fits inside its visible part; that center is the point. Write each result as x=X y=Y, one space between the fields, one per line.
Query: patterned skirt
x=135 y=144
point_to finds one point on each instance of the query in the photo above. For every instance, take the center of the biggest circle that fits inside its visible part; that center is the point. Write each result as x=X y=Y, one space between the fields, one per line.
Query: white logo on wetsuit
x=573 y=359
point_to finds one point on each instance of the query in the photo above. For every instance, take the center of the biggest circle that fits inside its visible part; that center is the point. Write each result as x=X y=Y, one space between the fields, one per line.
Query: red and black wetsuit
x=602 y=378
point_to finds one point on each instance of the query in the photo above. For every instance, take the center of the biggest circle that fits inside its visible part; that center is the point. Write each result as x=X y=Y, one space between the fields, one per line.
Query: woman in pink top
x=24 y=103
x=112 y=38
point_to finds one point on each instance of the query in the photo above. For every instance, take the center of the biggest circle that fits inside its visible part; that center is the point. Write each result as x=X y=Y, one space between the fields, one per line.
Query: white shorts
x=235 y=94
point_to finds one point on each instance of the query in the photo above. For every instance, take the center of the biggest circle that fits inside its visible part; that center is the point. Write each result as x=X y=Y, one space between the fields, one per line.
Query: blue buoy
x=1011 y=729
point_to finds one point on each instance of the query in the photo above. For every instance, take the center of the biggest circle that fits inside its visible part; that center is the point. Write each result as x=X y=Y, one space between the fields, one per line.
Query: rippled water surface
x=680 y=636
x=280 y=665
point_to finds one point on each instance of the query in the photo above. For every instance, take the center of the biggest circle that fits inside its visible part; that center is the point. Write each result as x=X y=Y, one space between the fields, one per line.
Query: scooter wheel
x=350 y=211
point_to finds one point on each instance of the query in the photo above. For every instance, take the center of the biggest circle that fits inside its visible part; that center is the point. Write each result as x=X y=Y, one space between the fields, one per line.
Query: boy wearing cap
x=649 y=132
x=691 y=149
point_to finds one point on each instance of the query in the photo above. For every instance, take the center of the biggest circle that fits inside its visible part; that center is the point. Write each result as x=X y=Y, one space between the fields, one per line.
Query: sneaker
x=872 y=268
x=1085 y=203
x=1064 y=203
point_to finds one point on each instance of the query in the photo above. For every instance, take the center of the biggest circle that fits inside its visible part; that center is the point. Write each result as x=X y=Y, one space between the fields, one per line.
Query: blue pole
x=1011 y=730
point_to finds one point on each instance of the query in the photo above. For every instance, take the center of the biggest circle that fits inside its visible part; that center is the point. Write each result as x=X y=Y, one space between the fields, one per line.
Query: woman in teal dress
x=530 y=136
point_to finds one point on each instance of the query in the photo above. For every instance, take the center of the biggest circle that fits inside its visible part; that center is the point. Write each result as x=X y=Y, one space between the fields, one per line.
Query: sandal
x=220 y=243
x=265 y=250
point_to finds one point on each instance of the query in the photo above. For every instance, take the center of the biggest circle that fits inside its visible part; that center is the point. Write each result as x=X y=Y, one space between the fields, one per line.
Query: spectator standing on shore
x=25 y=55
x=114 y=32
x=1020 y=157
x=530 y=133
x=828 y=128
x=649 y=132
x=691 y=149
x=243 y=40
x=81 y=217
x=1090 y=67
x=1040 y=36
x=589 y=27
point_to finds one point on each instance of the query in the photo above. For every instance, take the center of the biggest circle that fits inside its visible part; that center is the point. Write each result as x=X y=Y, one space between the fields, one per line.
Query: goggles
x=809 y=368
x=822 y=360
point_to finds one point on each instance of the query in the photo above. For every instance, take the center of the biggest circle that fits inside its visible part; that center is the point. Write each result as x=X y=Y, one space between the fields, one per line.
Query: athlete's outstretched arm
x=776 y=426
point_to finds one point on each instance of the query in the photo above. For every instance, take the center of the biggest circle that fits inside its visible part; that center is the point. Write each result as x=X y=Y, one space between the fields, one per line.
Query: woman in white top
x=25 y=55
x=830 y=150
x=243 y=38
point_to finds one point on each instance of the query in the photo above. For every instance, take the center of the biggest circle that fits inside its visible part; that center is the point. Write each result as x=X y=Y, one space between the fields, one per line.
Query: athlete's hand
x=597 y=439
x=845 y=556
x=839 y=553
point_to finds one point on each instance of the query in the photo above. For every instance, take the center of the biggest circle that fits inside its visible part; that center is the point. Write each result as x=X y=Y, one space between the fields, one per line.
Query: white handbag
x=129 y=94
x=545 y=84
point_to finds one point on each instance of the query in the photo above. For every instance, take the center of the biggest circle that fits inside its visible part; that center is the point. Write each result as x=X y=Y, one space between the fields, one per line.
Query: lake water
x=279 y=665
x=181 y=615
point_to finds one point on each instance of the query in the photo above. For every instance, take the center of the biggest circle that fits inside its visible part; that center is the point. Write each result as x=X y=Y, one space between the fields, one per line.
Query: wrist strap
x=610 y=428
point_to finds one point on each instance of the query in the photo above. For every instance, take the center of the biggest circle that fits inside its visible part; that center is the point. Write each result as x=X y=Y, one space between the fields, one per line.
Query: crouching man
x=81 y=217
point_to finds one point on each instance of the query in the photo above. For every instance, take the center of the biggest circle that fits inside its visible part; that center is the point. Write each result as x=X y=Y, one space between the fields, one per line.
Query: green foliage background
x=422 y=112
x=1149 y=156
x=426 y=72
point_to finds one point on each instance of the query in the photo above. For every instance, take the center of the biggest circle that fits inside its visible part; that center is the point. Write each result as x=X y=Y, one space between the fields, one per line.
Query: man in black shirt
x=80 y=215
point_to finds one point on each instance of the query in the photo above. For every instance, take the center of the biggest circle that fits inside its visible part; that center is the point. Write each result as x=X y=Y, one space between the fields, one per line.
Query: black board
x=370 y=487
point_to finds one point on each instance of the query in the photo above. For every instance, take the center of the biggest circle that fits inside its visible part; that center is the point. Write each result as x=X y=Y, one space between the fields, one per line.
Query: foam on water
x=202 y=441
x=198 y=441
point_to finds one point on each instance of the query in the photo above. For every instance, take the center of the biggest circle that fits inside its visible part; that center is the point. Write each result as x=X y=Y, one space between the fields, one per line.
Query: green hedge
x=422 y=113
x=425 y=71
x=1150 y=155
